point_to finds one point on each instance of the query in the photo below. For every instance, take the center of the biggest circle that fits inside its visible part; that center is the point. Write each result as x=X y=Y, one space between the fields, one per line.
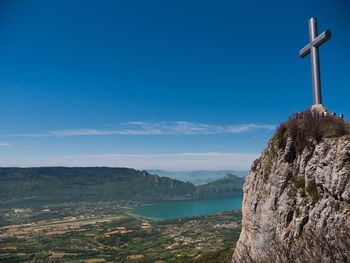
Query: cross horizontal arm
x=322 y=38
x=305 y=51
x=318 y=41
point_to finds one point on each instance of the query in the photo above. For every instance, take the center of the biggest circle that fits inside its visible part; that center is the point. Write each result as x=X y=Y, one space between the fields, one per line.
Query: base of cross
x=319 y=109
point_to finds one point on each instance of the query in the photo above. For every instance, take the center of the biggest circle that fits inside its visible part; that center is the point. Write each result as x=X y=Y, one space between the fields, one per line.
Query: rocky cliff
x=296 y=205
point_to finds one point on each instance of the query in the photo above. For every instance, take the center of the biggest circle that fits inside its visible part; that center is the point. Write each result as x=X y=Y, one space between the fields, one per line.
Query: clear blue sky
x=160 y=84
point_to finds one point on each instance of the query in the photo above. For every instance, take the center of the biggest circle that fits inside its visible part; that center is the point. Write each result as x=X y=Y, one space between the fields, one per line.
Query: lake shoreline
x=186 y=208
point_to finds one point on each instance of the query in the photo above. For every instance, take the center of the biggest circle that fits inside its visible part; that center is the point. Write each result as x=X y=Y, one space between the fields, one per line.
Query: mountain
x=229 y=186
x=48 y=185
x=296 y=205
x=62 y=184
x=197 y=177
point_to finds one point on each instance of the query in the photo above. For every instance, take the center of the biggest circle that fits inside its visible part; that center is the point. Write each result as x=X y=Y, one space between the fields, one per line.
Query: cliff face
x=296 y=205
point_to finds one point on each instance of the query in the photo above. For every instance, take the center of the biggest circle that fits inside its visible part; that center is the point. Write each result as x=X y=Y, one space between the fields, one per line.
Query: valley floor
x=109 y=233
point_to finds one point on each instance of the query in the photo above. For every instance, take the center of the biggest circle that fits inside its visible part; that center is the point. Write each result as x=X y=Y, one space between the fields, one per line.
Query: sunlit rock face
x=296 y=205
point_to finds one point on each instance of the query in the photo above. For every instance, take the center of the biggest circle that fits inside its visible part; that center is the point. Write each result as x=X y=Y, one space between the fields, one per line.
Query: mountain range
x=198 y=177
x=52 y=185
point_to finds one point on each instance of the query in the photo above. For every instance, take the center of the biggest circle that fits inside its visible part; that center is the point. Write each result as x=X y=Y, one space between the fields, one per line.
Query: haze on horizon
x=171 y=85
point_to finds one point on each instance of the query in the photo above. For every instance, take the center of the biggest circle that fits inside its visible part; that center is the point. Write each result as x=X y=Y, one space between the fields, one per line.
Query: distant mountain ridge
x=198 y=177
x=228 y=186
x=47 y=185
x=62 y=184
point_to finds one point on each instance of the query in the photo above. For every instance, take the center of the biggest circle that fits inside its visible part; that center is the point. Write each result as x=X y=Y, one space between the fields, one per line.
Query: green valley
x=82 y=233
x=59 y=214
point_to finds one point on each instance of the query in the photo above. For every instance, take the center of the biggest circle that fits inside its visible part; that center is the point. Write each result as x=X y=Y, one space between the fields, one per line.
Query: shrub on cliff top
x=312 y=128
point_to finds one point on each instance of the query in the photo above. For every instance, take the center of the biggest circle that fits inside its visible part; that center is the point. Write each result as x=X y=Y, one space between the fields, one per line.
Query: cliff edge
x=296 y=205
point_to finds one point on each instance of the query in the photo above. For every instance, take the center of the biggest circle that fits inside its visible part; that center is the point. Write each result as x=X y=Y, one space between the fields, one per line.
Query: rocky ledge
x=296 y=205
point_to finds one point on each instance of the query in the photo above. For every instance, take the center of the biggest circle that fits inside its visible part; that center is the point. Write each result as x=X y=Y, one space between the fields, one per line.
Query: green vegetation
x=61 y=214
x=289 y=177
x=312 y=191
x=300 y=183
x=219 y=256
x=267 y=164
x=31 y=187
x=255 y=165
x=28 y=186
x=310 y=129
x=118 y=236
x=228 y=186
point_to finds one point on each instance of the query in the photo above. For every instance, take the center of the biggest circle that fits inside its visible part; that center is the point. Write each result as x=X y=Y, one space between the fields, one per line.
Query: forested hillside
x=38 y=186
x=229 y=186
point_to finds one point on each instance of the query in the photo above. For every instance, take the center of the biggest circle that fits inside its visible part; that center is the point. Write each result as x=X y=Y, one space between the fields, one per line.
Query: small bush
x=289 y=177
x=347 y=166
x=300 y=183
x=312 y=191
x=281 y=135
x=267 y=165
x=255 y=165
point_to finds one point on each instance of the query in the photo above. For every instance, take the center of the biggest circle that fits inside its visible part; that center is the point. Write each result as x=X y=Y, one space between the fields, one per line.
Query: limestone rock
x=291 y=197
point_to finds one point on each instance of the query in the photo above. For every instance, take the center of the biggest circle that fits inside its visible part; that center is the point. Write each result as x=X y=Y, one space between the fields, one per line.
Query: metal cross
x=312 y=48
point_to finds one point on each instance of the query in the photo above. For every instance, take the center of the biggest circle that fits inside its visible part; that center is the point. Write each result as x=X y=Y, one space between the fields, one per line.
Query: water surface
x=178 y=209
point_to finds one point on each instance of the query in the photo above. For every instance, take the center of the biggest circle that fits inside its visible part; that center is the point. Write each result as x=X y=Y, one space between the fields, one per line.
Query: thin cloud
x=3 y=144
x=164 y=161
x=159 y=128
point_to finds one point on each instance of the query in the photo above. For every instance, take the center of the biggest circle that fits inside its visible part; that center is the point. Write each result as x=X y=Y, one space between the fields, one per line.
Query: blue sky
x=176 y=85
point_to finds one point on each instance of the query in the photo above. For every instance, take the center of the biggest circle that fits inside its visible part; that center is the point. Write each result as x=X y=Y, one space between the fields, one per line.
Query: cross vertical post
x=312 y=49
x=315 y=63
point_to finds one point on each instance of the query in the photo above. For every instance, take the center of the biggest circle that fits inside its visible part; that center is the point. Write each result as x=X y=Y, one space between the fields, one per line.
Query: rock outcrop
x=296 y=205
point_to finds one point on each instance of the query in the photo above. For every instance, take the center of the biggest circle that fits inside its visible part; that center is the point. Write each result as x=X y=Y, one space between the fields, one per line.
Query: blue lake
x=178 y=209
